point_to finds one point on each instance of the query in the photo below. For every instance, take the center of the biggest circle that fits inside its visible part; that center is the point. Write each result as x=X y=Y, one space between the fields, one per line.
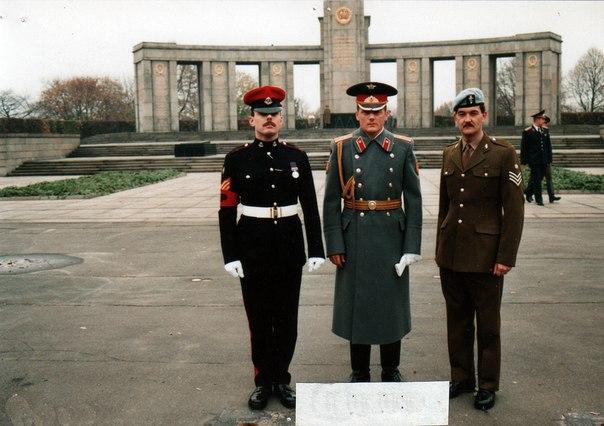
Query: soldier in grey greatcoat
x=480 y=219
x=369 y=235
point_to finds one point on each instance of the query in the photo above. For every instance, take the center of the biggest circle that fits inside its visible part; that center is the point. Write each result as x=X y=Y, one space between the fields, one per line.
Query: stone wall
x=18 y=148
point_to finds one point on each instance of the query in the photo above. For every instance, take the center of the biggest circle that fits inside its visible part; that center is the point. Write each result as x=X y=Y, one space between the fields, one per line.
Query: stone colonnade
x=344 y=57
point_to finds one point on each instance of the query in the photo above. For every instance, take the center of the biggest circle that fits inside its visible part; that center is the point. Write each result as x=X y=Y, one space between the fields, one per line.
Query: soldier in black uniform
x=549 y=184
x=265 y=248
x=536 y=151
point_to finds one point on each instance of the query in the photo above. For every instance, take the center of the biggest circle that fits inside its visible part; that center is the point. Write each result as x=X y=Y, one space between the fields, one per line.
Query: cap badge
x=371 y=100
x=371 y=86
x=268 y=101
x=471 y=99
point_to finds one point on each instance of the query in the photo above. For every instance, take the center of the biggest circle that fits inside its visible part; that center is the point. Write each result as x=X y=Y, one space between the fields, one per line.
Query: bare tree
x=300 y=108
x=188 y=89
x=15 y=106
x=85 y=98
x=445 y=110
x=245 y=83
x=506 y=87
x=585 y=82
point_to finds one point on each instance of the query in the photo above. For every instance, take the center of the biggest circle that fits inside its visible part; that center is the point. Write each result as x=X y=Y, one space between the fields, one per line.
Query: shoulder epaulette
x=240 y=148
x=402 y=138
x=287 y=145
x=342 y=138
x=528 y=128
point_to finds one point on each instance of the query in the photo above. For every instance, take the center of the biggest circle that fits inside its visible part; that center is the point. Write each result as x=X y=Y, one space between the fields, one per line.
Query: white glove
x=315 y=263
x=234 y=268
x=406 y=260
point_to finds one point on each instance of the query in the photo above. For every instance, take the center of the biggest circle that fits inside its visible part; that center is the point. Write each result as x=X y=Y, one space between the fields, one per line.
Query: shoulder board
x=402 y=138
x=528 y=128
x=287 y=145
x=342 y=138
x=455 y=142
x=240 y=148
x=501 y=142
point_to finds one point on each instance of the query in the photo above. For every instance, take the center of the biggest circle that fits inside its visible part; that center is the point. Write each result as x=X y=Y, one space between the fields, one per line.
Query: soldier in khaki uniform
x=370 y=236
x=480 y=219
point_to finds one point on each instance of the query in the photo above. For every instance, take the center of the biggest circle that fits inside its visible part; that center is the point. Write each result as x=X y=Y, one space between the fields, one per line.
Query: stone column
x=519 y=112
x=532 y=84
x=206 y=116
x=232 y=95
x=550 y=86
x=344 y=34
x=173 y=97
x=220 y=95
x=161 y=96
x=427 y=88
x=411 y=97
x=144 y=93
x=487 y=85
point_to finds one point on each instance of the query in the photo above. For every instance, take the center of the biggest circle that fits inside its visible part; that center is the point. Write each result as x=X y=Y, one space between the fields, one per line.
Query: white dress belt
x=269 y=212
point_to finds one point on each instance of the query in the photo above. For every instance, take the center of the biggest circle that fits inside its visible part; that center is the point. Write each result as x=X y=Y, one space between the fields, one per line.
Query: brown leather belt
x=373 y=205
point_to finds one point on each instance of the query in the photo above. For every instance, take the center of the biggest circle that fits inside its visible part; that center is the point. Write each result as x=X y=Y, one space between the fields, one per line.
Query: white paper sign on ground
x=408 y=403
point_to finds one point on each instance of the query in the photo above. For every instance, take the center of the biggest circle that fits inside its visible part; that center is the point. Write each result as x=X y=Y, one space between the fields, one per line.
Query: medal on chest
x=294 y=168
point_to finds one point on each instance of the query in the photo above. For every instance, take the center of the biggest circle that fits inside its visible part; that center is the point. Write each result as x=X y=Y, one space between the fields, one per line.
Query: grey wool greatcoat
x=371 y=302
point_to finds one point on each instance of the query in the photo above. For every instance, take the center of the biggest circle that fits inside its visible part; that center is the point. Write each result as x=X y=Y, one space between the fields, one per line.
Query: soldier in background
x=549 y=184
x=480 y=219
x=370 y=237
x=265 y=249
x=536 y=151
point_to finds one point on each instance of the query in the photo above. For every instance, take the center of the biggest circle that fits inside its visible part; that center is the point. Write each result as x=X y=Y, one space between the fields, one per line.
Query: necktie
x=467 y=153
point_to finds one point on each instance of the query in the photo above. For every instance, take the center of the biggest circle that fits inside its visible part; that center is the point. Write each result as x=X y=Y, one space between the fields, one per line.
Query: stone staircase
x=135 y=151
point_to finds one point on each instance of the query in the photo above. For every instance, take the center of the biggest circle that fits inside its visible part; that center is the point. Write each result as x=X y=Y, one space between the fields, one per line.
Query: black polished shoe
x=259 y=398
x=529 y=198
x=554 y=198
x=484 y=400
x=457 y=388
x=540 y=204
x=286 y=395
x=359 y=376
x=391 y=376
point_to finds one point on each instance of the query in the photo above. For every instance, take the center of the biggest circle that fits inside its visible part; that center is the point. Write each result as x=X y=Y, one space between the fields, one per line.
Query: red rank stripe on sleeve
x=228 y=198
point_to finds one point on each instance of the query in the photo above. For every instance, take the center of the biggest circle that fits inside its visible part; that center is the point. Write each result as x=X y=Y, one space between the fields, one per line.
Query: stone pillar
x=410 y=100
x=519 y=118
x=532 y=85
x=206 y=116
x=144 y=94
x=550 y=85
x=232 y=95
x=427 y=95
x=487 y=85
x=161 y=96
x=220 y=91
x=344 y=36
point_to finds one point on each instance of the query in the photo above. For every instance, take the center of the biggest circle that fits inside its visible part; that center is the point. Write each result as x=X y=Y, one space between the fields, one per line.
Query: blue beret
x=468 y=98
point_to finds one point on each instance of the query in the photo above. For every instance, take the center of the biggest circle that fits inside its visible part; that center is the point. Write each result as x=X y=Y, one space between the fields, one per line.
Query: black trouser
x=538 y=172
x=271 y=300
x=469 y=295
x=390 y=355
x=549 y=184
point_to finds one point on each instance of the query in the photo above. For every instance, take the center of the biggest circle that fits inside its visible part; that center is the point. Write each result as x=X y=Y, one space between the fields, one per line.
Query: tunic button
x=362 y=214
x=273 y=186
x=463 y=175
x=271 y=169
x=391 y=170
x=462 y=190
x=486 y=174
x=390 y=184
x=360 y=185
x=387 y=213
x=247 y=176
x=358 y=170
x=275 y=143
x=461 y=205
x=391 y=155
x=275 y=222
x=275 y=204
x=361 y=199
x=356 y=156
x=459 y=221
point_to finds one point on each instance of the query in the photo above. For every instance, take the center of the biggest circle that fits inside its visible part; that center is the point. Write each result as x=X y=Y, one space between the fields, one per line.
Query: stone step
x=318 y=161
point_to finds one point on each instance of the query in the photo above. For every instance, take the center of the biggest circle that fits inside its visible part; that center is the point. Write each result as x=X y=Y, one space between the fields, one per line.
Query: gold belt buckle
x=372 y=205
x=275 y=212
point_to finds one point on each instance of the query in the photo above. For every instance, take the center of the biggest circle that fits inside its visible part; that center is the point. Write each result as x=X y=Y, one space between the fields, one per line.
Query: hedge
x=35 y=125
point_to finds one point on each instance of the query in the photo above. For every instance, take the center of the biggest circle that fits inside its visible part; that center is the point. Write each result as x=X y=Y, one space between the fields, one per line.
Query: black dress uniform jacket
x=535 y=146
x=267 y=174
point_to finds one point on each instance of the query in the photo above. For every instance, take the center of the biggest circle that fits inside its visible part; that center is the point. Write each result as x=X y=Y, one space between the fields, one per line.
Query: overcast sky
x=41 y=40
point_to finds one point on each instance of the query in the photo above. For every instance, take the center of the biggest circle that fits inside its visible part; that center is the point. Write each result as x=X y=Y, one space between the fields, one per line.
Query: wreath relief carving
x=532 y=61
x=218 y=69
x=160 y=69
x=472 y=64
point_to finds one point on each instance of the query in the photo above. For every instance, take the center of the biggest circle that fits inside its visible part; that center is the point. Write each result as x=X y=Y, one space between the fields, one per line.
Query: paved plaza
x=146 y=328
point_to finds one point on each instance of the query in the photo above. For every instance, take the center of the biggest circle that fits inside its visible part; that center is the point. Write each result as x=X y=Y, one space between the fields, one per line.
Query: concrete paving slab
x=149 y=329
